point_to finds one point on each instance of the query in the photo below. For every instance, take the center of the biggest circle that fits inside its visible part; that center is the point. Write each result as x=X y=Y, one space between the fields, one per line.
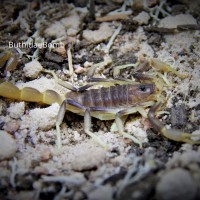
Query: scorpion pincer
x=115 y=100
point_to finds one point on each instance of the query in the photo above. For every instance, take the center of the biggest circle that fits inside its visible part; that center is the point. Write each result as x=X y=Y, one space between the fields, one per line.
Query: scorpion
x=117 y=99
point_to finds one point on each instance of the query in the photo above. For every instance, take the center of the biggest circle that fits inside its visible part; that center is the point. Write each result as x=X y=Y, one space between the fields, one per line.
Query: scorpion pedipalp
x=173 y=134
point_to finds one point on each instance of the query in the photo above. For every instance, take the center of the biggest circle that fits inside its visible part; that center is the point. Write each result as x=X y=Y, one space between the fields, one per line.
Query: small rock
x=32 y=69
x=41 y=170
x=174 y=21
x=176 y=184
x=45 y=155
x=72 y=23
x=184 y=159
x=178 y=116
x=87 y=157
x=40 y=118
x=16 y=110
x=56 y=30
x=61 y=51
x=54 y=57
x=67 y=26
x=8 y=146
x=103 y=33
x=142 y=18
x=87 y=64
x=79 y=70
x=11 y=126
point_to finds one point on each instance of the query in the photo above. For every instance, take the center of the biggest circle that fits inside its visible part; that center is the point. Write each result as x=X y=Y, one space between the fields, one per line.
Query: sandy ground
x=121 y=33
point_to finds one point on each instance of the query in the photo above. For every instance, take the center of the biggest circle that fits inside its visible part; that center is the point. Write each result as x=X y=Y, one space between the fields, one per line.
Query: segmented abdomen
x=106 y=97
x=114 y=96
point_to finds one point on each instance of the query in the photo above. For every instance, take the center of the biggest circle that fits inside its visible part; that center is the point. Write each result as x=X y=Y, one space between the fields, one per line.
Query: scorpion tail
x=9 y=90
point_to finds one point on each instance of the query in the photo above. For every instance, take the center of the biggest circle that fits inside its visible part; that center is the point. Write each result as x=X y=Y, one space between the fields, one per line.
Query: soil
x=162 y=168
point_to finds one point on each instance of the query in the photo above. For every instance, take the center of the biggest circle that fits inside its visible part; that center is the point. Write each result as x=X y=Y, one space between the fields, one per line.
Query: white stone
x=174 y=21
x=176 y=184
x=56 y=30
x=142 y=18
x=40 y=118
x=87 y=157
x=103 y=33
x=16 y=110
x=184 y=159
x=8 y=146
x=67 y=26
x=72 y=24
x=32 y=69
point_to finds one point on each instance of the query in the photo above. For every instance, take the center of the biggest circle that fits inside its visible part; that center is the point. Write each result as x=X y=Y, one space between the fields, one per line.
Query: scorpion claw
x=173 y=134
x=179 y=136
x=161 y=66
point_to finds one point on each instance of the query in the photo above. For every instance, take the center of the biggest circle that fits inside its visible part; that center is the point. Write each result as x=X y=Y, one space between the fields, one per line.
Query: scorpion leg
x=173 y=134
x=67 y=84
x=120 y=117
x=163 y=67
x=109 y=82
x=60 y=117
x=117 y=69
x=120 y=124
x=102 y=81
x=59 y=120
x=87 y=122
x=87 y=127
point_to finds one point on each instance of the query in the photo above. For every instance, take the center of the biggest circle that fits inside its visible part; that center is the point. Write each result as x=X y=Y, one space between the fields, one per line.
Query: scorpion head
x=146 y=88
x=141 y=92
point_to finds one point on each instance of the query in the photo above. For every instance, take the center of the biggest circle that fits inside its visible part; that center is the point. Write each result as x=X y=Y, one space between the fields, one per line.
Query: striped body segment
x=114 y=96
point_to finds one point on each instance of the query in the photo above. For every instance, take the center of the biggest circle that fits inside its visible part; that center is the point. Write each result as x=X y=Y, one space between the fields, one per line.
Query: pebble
x=72 y=23
x=87 y=157
x=54 y=57
x=8 y=146
x=174 y=21
x=40 y=118
x=67 y=26
x=11 y=126
x=16 y=110
x=56 y=30
x=103 y=33
x=79 y=70
x=45 y=155
x=32 y=69
x=142 y=18
x=176 y=184
x=61 y=51
x=185 y=159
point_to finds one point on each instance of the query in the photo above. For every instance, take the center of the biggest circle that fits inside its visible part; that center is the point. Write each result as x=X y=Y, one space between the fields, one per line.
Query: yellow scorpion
x=115 y=100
